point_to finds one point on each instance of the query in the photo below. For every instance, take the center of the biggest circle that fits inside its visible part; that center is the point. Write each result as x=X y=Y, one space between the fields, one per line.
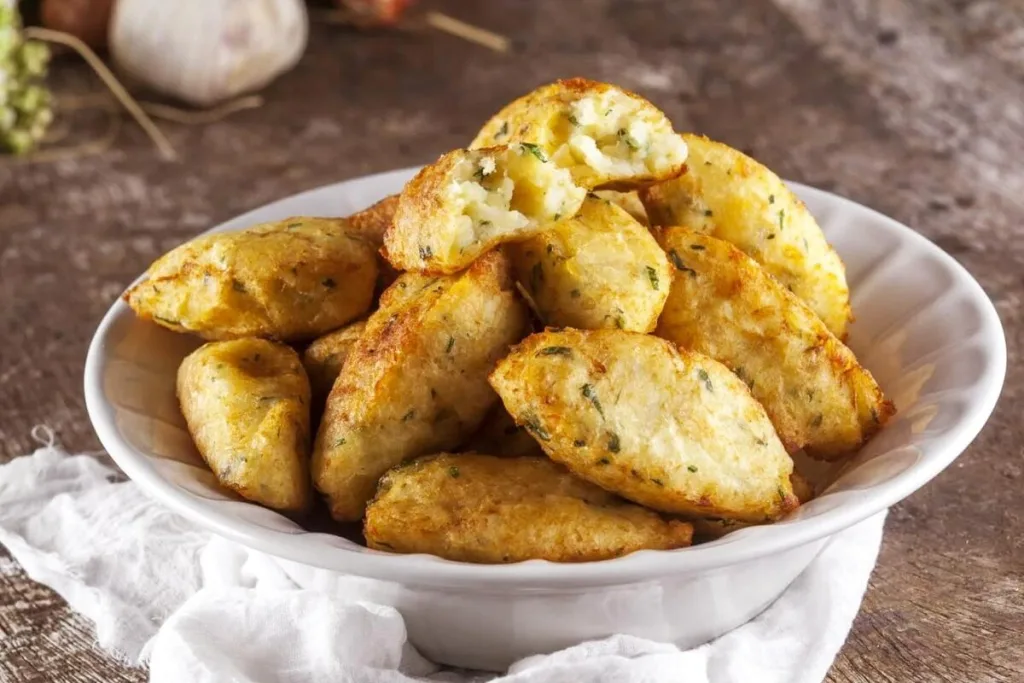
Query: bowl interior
x=924 y=328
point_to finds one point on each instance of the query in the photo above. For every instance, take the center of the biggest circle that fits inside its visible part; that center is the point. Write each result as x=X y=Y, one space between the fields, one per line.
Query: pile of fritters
x=584 y=335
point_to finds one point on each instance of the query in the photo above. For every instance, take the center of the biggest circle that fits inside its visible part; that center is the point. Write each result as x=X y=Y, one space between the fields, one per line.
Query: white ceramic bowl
x=924 y=328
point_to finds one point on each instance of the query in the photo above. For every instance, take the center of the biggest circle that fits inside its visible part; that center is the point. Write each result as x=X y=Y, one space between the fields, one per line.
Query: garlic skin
x=206 y=51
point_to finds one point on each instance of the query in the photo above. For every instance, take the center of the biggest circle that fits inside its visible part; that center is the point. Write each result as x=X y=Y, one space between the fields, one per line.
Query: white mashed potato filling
x=616 y=137
x=496 y=194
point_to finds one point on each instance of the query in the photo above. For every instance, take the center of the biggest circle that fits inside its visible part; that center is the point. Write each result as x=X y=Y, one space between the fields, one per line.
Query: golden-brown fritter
x=486 y=509
x=470 y=201
x=291 y=280
x=324 y=358
x=416 y=380
x=598 y=269
x=724 y=305
x=710 y=528
x=371 y=223
x=630 y=201
x=670 y=429
x=607 y=137
x=246 y=403
x=726 y=194
x=500 y=435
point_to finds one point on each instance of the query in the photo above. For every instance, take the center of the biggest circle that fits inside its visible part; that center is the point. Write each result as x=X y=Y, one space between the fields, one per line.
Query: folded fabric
x=196 y=607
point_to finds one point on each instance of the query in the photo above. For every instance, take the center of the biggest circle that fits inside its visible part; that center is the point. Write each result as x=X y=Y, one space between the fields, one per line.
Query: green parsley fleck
x=703 y=375
x=708 y=213
x=485 y=224
x=453 y=472
x=771 y=199
x=782 y=219
x=657 y=482
x=408 y=416
x=328 y=282
x=426 y=252
x=479 y=173
x=760 y=442
x=292 y=226
x=691 y=468
x=874 y=416
x=782 y=494
x=579 y=443
x=613 y=442
x=238 y=286
x=806 y=246
x=557 y=217
x=339 y=442
x=604 y=461
x=816 y=422
x=628 y=139
x=697 y=247
x=575 y=294
x=555 y=351
x=534 y=425
x=591 y=395
x=166 y=321
x=678 y=263
x=449 y=345
x=771 y=235
x=535 y=151
x=620 y=322
x=652 y=275
x=573 y=120
x=503 y=131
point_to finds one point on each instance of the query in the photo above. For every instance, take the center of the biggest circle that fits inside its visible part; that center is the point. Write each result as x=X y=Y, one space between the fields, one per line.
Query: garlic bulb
x=207 y=51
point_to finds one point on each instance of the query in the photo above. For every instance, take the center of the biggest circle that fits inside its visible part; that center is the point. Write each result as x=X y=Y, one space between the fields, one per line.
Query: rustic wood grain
x=913 y=108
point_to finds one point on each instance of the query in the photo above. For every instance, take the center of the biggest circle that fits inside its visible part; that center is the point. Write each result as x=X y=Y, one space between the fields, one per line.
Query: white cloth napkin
x=198 y=608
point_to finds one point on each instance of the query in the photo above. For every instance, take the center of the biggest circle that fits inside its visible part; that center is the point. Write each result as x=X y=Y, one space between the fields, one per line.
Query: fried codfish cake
x=598 y=269
x=500 y=435
x=710 y=528
x=290 y=280
x=666 y=428
x=324 y=357
x=371 y=224
x=630 y=201
x=724 y=305
x=607 y=137
x=728 y=195
x=486 y=509
x=470 y=201
x=246 y=403
x=416 y=379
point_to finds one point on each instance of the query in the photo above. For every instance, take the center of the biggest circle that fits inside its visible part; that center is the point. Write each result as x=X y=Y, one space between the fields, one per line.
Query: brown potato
x=246 y=403
x=291 y=280
x=416 y=380
x=666 y=428
x=605 y=136
x=481 y=508
x=325 y=356
x=599 y=268
x=371 y=224
x=726 y=194
x=710 y=528
x=500 y=435
x=470 y=201
x=724 y=305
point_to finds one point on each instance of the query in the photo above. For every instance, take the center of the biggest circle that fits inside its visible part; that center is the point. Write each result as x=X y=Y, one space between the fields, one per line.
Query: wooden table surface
x=913 y=108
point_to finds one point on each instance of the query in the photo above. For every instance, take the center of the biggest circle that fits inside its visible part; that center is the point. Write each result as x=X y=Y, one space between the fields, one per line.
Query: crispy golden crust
x=291 y=280
x=500 y=435
x=630 y=201
x=371 y=223
x=710 y=528
x=246 y=403
x=470 y=201
x=324 y=358
x=598 y=269
x=416 y=380
x=666 y=428
x=724 y=305
x=606 y=136
x=486 y=509
x=728 y=195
